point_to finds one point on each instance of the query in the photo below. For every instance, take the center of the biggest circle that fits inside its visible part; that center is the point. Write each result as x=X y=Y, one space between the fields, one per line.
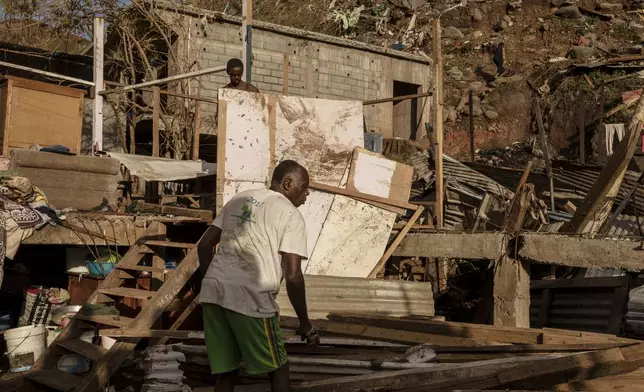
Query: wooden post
x=197 y=128
x=438 y=120
x=97 y=118
x=546 y=153
x=285 y=79
x=156 y=114
x=471 y=127
x=247 y=34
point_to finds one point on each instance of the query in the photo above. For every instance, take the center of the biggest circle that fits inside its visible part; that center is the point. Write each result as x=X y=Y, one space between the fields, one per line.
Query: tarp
x=163 y=169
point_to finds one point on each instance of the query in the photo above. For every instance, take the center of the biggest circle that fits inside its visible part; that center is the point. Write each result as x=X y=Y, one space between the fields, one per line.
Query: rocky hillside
x=544 y=40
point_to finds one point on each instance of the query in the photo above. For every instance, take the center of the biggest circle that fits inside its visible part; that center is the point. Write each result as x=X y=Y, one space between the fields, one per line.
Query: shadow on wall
x=111 y=139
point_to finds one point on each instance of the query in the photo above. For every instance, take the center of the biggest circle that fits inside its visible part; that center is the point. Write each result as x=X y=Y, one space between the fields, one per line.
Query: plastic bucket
x=24 y=346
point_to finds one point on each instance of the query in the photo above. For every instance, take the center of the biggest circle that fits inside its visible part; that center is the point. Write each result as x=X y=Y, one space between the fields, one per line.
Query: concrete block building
x=308 y=64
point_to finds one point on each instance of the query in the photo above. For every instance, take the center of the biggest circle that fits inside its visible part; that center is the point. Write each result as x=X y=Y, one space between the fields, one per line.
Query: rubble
x=569 y=12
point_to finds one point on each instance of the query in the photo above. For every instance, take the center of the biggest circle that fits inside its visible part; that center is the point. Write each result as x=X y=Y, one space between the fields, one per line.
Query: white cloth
x=611 y=130
x=246 y=272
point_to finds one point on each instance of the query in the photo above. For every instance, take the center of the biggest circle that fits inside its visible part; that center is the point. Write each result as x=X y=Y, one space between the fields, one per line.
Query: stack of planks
x=361 y=352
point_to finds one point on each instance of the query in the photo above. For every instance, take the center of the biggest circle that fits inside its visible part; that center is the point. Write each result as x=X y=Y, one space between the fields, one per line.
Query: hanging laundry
x=611 y=131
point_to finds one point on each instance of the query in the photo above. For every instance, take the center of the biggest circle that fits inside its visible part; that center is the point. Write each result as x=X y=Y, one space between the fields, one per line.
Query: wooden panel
x=47 y=160
x=52 y=178
x=41 y=114
x=376 y=175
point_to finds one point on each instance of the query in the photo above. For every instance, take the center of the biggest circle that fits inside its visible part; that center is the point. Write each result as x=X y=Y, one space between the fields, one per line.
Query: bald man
x=235 y=70
x=262 y=239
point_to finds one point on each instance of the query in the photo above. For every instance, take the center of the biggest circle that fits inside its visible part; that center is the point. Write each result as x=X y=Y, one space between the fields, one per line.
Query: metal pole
x=247 y=33
x=546 y=153
x=97 y=118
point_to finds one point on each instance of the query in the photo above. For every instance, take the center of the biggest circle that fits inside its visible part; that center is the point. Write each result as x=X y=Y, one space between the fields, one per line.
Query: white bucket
x=24 y=346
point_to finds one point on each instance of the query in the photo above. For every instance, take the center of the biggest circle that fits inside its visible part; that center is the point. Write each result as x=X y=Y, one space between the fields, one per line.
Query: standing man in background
x=262 y=239
x=235 y=70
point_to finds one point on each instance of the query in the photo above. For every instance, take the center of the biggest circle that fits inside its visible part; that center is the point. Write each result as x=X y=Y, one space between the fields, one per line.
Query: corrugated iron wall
x=328 y=294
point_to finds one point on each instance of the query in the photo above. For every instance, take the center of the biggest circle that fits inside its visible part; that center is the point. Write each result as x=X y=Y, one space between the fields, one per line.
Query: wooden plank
x=86 y=349
x=169 y=244
x=156 y=115
x=360 y=196
x=126 y=292
x=610 y=177
x=180 y=320
x=397 y=98
x=173 y=78
x=476 y=332
x=397 y=241
x=546 y=151
x=54 y=378
x=144 y=268
x=115 y=321
x=158 y=261
x=221 y=152
x=375 y=175
x=206 y=215
x=196 y=132
x=151 y=333
x=247 y=38
x=437 y=118
x=383 y=334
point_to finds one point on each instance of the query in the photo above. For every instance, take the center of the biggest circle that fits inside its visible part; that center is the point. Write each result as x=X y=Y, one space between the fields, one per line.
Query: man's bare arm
x=295 y=288
x=206 y=248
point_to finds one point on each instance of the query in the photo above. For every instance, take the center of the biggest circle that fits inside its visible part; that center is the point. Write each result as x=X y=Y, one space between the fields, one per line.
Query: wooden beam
x=397 y=241
x=396 y=99
x=546 y=152
x=361 y=196
x=97 y=105
x=247 y=38
x=45 y=73
x=576 y=251
x=383 y=334
x=205 y=215
x=169 y=79
x=197 y=128
x=437 y=108
x=156 y=114
x=609 y=179
x=488 y=245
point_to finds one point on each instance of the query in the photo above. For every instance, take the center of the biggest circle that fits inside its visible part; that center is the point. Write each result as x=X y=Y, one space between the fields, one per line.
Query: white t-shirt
x=246 y=272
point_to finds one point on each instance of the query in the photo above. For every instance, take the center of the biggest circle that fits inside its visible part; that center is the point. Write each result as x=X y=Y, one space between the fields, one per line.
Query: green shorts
x=232 y=337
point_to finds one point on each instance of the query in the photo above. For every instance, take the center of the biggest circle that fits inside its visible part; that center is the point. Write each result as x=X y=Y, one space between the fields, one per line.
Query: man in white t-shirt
x=262 y=239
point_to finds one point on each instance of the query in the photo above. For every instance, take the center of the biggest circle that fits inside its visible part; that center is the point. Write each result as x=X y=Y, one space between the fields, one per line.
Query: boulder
x=581 y=53
x=569 y=12
x=610 y=7
x=477 y=15
x=491 y=114
x=453 y=33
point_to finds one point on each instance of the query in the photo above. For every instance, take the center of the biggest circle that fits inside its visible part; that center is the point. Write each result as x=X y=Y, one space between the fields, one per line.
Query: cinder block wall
x=316 y=68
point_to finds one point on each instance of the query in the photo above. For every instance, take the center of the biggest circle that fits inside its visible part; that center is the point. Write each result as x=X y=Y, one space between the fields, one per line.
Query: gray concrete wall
x=317 y=68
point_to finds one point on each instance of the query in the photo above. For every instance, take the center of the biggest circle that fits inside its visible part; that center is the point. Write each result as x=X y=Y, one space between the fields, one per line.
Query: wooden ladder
x=46 y=376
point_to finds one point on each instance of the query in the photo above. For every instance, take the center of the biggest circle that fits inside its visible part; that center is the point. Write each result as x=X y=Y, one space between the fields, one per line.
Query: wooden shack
x=36 y=112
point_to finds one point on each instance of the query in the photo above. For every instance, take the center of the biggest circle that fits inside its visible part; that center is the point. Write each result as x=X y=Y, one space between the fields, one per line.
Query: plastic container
x=24 y=346
x=100 y=268
x=6 y=318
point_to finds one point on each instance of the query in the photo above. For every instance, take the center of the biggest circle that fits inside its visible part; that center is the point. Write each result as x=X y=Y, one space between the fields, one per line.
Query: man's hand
x=310 y=334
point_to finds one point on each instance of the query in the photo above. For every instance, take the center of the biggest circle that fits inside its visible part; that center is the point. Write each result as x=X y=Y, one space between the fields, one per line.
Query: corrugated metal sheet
x=579 y=180
x=328 y=294
x=624 y=225
x=455 y=171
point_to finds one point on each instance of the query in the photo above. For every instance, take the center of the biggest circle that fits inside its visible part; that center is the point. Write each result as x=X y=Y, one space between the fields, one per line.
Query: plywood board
x=42 y=113
x=262 y=130
x=376 y=175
